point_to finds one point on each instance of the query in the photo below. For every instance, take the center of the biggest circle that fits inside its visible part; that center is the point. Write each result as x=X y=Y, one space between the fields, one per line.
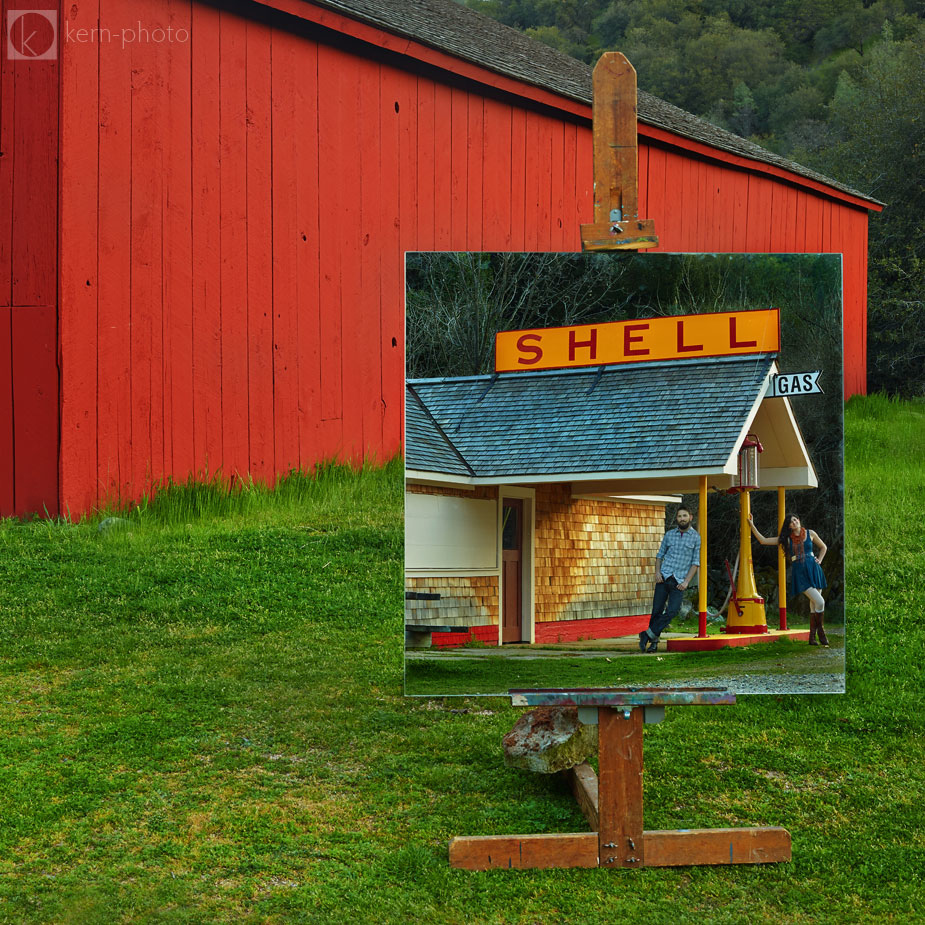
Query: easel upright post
x=612 y=800
x=616 y=223
x=620 y=784
x=616 y=154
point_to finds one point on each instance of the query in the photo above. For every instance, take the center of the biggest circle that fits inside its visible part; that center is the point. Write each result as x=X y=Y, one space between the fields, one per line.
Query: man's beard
x=683 y=527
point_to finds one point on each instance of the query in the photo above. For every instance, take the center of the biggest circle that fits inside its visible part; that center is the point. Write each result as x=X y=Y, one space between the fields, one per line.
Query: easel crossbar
x=679 y=848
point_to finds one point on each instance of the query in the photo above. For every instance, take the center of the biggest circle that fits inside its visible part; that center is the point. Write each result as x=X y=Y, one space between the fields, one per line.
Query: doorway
x=512 y=544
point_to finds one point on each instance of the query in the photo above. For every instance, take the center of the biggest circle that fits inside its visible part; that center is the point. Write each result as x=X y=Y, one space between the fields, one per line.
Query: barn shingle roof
x=467 y=34
x=628 y=418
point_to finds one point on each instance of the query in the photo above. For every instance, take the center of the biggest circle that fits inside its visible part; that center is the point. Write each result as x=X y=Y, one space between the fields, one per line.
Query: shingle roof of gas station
x=648 y=416
x=431 y=445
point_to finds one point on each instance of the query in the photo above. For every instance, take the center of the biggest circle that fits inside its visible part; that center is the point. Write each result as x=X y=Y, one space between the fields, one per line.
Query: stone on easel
x=548 y=740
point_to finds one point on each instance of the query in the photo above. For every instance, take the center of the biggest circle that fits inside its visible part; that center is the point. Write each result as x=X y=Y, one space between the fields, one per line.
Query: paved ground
x=588 y=648
x=817 y=683
x=809 y=670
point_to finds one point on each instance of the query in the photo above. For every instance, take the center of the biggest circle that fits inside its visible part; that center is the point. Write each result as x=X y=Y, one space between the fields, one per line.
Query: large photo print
x=623 y=470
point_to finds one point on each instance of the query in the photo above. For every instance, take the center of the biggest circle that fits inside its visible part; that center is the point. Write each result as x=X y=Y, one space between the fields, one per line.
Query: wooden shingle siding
x=593 y=570
x=465 y=601
x=486 y=492
x=594 y=559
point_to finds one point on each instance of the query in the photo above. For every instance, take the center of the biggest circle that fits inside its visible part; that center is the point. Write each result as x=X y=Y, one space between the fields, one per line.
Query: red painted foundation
x=488 y=635
x=553 y=631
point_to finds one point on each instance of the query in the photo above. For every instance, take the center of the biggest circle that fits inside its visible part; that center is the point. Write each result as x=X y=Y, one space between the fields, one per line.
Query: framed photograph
x=623 y=470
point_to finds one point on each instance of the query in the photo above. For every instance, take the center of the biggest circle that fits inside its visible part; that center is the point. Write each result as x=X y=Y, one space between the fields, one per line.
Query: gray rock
x=111 y=523
x=548 y=740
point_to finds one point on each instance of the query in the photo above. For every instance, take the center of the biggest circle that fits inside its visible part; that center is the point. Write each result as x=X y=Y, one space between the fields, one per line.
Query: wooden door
x=512 y=536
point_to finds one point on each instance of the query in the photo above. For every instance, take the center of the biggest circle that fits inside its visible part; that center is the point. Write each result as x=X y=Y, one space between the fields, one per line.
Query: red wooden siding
x=7 y=447
x=28 y=282
x=253 y=223
x=106 y=467
x=28 y=411
x=232 y=215
x=286 y=168
x=35 y=410
x=205 y=159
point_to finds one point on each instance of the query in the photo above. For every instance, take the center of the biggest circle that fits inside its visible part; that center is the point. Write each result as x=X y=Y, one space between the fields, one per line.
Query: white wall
x=450 y=533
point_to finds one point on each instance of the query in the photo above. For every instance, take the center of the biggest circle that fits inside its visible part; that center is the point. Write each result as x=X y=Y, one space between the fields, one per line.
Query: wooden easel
x=611 y=801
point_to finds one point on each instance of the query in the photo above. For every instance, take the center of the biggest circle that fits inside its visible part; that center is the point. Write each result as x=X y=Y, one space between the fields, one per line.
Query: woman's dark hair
x=785 y=530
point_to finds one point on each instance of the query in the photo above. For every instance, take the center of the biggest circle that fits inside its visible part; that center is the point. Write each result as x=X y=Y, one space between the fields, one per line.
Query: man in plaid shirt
x=676 y=564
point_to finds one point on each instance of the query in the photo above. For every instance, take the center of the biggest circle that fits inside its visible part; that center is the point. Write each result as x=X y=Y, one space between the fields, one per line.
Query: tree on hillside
x=456 y=302
x=880 y=120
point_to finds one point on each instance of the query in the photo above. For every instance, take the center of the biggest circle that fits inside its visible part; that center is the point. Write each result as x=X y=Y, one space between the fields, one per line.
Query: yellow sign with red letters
x=644 y=339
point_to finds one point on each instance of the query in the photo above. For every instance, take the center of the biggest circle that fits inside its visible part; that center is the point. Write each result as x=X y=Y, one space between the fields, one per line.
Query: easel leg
x=620 y=787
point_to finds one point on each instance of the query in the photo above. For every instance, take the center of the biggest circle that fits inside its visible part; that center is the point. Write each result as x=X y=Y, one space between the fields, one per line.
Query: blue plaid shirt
x=678 y=552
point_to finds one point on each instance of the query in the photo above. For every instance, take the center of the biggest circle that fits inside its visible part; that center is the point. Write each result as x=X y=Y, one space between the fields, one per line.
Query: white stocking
x=816 y=601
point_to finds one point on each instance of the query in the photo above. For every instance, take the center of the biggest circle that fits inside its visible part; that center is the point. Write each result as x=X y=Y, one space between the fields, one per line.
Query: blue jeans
x=666 y=592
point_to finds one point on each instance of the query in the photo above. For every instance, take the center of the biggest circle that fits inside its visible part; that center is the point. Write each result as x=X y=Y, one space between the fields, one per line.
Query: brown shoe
x=813 y=625
x=823 y=639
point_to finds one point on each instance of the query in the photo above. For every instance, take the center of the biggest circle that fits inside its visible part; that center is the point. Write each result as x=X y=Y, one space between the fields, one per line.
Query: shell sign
x=672 y=338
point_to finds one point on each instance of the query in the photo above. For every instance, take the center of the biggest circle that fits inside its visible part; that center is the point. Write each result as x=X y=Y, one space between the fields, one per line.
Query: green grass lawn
x=202 y=720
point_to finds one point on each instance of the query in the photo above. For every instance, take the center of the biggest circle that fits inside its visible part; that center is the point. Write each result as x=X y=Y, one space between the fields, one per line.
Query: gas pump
x=746 y=612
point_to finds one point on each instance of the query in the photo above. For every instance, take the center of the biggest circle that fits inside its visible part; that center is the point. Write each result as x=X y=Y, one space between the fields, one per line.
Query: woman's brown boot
x=823 y=639
x=813 y=625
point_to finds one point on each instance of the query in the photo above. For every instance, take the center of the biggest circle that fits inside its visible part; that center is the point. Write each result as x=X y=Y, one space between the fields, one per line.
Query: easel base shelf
x=726 y=640
x=661 y=848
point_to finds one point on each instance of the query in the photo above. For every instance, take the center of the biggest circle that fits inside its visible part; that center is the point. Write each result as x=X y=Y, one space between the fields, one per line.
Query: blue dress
x=804 y=573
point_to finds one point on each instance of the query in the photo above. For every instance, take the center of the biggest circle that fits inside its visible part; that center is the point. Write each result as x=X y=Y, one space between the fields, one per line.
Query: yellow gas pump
x=746 y=612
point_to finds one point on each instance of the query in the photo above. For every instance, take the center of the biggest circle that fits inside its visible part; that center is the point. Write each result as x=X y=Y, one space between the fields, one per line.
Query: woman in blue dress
x=806 y=576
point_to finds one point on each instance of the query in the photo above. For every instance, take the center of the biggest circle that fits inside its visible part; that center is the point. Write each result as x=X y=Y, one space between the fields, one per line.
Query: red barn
x=205 y=211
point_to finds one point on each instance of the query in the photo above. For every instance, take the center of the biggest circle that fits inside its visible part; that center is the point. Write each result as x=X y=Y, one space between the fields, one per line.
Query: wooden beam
x=488 y=852
x=678 y=848
x=765 y=845
x=616 y=225
x=620 y=787
x=616 y=181
x=613 y=806
x=583 y=782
